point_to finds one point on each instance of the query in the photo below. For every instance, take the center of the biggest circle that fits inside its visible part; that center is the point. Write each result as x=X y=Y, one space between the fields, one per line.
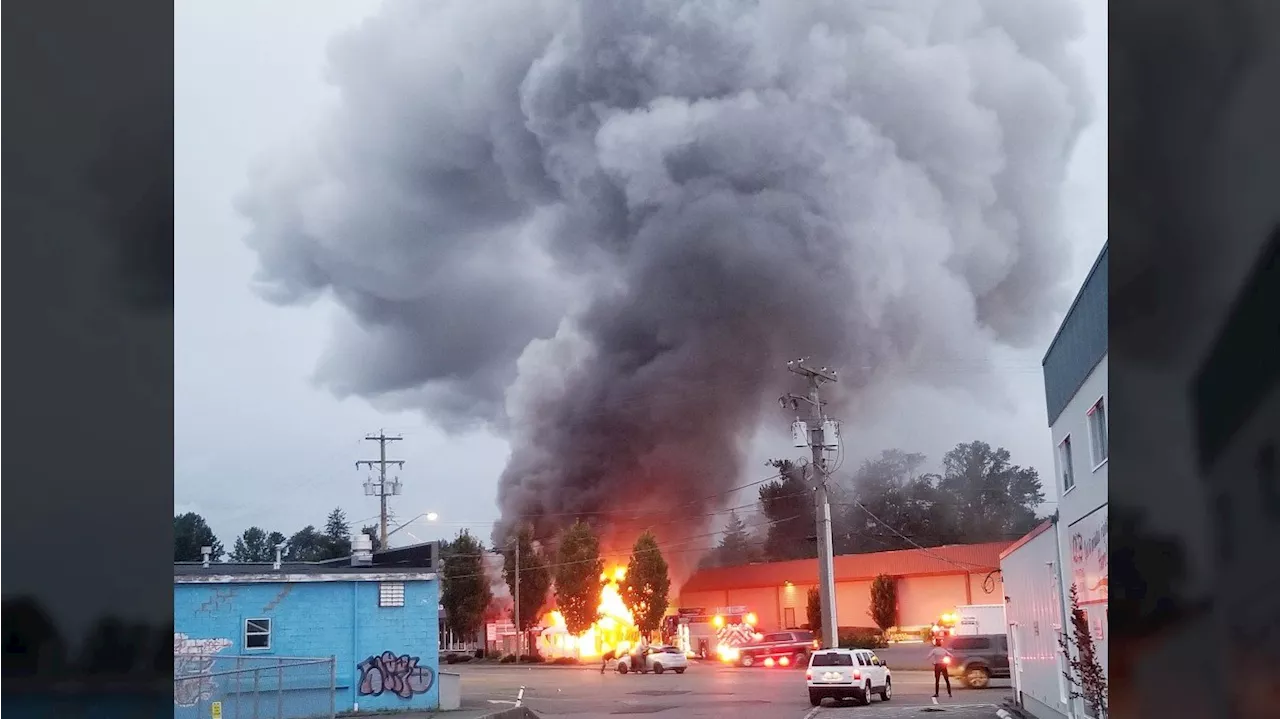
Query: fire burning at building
x=614 y=629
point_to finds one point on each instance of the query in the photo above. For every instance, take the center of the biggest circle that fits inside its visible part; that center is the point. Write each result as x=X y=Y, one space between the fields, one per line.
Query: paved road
x=705 y=691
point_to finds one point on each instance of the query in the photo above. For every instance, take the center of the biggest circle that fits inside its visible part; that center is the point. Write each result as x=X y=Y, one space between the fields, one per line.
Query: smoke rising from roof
x=601 y=227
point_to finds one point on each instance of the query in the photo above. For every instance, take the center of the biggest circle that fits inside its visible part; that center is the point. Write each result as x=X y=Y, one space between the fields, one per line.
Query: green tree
x=306 y=545
x=893 y=506
x=190 y=533
x=255 y=545
x=813 y=610
x=788 y=505
x=735 y=547
x=884 y=602
x=991 y=499
x=337 y=535
x=577 y=577
x=465 y=591
x=535 y=578
x=648 y=584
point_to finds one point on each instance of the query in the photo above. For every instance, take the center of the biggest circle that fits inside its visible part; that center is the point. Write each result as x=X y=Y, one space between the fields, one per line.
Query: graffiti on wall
x=400 y=675
x=192 y=664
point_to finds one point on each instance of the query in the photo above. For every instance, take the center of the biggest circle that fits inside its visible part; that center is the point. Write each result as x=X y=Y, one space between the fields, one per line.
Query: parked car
x=979 y=658
x=790 y=648
x=657 y=660
x=847 y=674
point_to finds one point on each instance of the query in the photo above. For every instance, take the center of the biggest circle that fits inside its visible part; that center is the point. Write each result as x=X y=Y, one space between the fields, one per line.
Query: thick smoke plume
x=601 y=227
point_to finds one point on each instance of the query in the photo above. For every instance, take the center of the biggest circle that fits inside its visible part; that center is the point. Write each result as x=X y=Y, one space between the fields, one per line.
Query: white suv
x=847 y=673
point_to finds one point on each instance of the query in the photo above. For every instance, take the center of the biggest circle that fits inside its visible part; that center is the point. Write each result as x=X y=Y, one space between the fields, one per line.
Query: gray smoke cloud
x=601 y=227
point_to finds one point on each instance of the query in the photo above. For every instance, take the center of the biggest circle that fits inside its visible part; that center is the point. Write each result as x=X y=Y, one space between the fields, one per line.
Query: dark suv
x=979 y=658
x=791 y=648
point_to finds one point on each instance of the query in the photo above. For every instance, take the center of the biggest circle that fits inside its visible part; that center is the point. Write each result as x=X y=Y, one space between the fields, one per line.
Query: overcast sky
x=257 y=443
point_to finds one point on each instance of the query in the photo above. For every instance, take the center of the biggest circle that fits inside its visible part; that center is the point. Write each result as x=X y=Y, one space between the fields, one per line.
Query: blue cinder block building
x=292 y=640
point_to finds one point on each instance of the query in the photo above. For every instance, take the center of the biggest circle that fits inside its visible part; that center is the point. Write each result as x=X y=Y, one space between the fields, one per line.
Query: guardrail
x=253 y=687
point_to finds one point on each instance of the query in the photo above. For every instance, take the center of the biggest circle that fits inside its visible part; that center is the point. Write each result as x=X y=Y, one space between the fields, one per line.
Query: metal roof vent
x=361 y=550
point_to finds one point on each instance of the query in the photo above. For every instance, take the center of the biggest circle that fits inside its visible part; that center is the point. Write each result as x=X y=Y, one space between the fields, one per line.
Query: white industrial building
x=1070 y=547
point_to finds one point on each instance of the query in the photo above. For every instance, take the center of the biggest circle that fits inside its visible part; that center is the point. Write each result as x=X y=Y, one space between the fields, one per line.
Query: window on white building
x=1098 y=431
x=1064 y=464
x=391 y=594
x=789 y=618
x=257 y=634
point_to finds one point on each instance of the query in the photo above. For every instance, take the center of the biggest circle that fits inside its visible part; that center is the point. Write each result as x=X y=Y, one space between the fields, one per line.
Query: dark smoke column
x=601 y=227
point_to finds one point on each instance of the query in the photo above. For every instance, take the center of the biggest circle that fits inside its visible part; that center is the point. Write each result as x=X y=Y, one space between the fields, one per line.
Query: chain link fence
x=249 y=687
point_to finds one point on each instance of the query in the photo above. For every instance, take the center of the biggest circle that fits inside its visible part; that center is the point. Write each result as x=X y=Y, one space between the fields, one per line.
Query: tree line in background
x=890 y=503
x=191 y=532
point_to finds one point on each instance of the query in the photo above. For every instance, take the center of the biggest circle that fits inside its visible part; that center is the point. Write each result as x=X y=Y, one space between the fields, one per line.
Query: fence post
x=333 y=686
x=256 y=670
x=279 y=689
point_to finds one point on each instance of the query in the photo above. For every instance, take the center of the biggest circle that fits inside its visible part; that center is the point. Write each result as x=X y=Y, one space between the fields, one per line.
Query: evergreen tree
x=190 y=533
x=465 y=591
x=735 y=548
x=577 y=577
x=884 y=602
x=337 y=535
x=813 y=609
x=535 y=578
x=647 y=584
x=788 y=505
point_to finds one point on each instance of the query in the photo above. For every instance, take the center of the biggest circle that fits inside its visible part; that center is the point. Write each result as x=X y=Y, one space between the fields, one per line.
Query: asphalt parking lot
x=706 y=690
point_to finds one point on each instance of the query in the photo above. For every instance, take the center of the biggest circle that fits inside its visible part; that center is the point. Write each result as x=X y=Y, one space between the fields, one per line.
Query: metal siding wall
x=1081 y=341
x=1033 y=604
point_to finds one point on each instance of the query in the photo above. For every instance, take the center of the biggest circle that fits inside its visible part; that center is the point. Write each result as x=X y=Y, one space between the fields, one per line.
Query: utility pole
x=519 y=629
x=382 y=487
x=817 y=444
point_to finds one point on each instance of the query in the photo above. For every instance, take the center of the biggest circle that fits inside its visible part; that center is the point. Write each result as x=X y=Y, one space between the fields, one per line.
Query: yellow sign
x=216 y=710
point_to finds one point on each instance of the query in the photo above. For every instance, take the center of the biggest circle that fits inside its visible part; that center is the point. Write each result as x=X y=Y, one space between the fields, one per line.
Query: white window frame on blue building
x=263 y=629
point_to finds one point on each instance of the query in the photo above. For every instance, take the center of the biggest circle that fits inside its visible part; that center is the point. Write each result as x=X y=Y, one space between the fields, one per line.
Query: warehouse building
x=1071 y=547
x=930 y=582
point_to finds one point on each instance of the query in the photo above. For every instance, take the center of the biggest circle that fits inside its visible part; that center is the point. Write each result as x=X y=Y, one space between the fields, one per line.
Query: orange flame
x=614 y=629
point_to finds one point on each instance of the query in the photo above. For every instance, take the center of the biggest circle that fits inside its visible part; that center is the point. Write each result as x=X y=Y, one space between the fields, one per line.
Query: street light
x=429 y=516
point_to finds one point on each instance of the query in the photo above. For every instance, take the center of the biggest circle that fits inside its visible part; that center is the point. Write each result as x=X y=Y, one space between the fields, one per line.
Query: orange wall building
x=930 y=582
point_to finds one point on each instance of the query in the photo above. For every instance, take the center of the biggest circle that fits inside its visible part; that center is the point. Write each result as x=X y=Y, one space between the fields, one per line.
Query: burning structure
x=614 y=631
x=600 y=227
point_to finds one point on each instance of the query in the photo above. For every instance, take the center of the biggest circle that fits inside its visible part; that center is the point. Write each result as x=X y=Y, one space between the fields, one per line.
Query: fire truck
x=709 y=633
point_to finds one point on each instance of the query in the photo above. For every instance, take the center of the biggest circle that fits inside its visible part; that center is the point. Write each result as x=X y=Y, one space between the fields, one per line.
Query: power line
x=657 y=547
x=912 y=542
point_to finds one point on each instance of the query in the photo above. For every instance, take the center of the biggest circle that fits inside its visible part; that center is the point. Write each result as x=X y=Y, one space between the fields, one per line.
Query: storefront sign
x=1089 y=557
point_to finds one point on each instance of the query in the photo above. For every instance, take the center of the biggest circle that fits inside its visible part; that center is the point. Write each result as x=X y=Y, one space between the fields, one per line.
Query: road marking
x=812 y=713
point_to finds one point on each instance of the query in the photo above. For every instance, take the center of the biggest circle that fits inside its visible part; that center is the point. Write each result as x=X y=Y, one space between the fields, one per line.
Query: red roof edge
x=1040 y=529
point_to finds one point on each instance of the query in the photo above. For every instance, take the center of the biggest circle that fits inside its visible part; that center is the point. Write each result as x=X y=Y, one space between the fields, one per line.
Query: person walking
x=939 y=656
